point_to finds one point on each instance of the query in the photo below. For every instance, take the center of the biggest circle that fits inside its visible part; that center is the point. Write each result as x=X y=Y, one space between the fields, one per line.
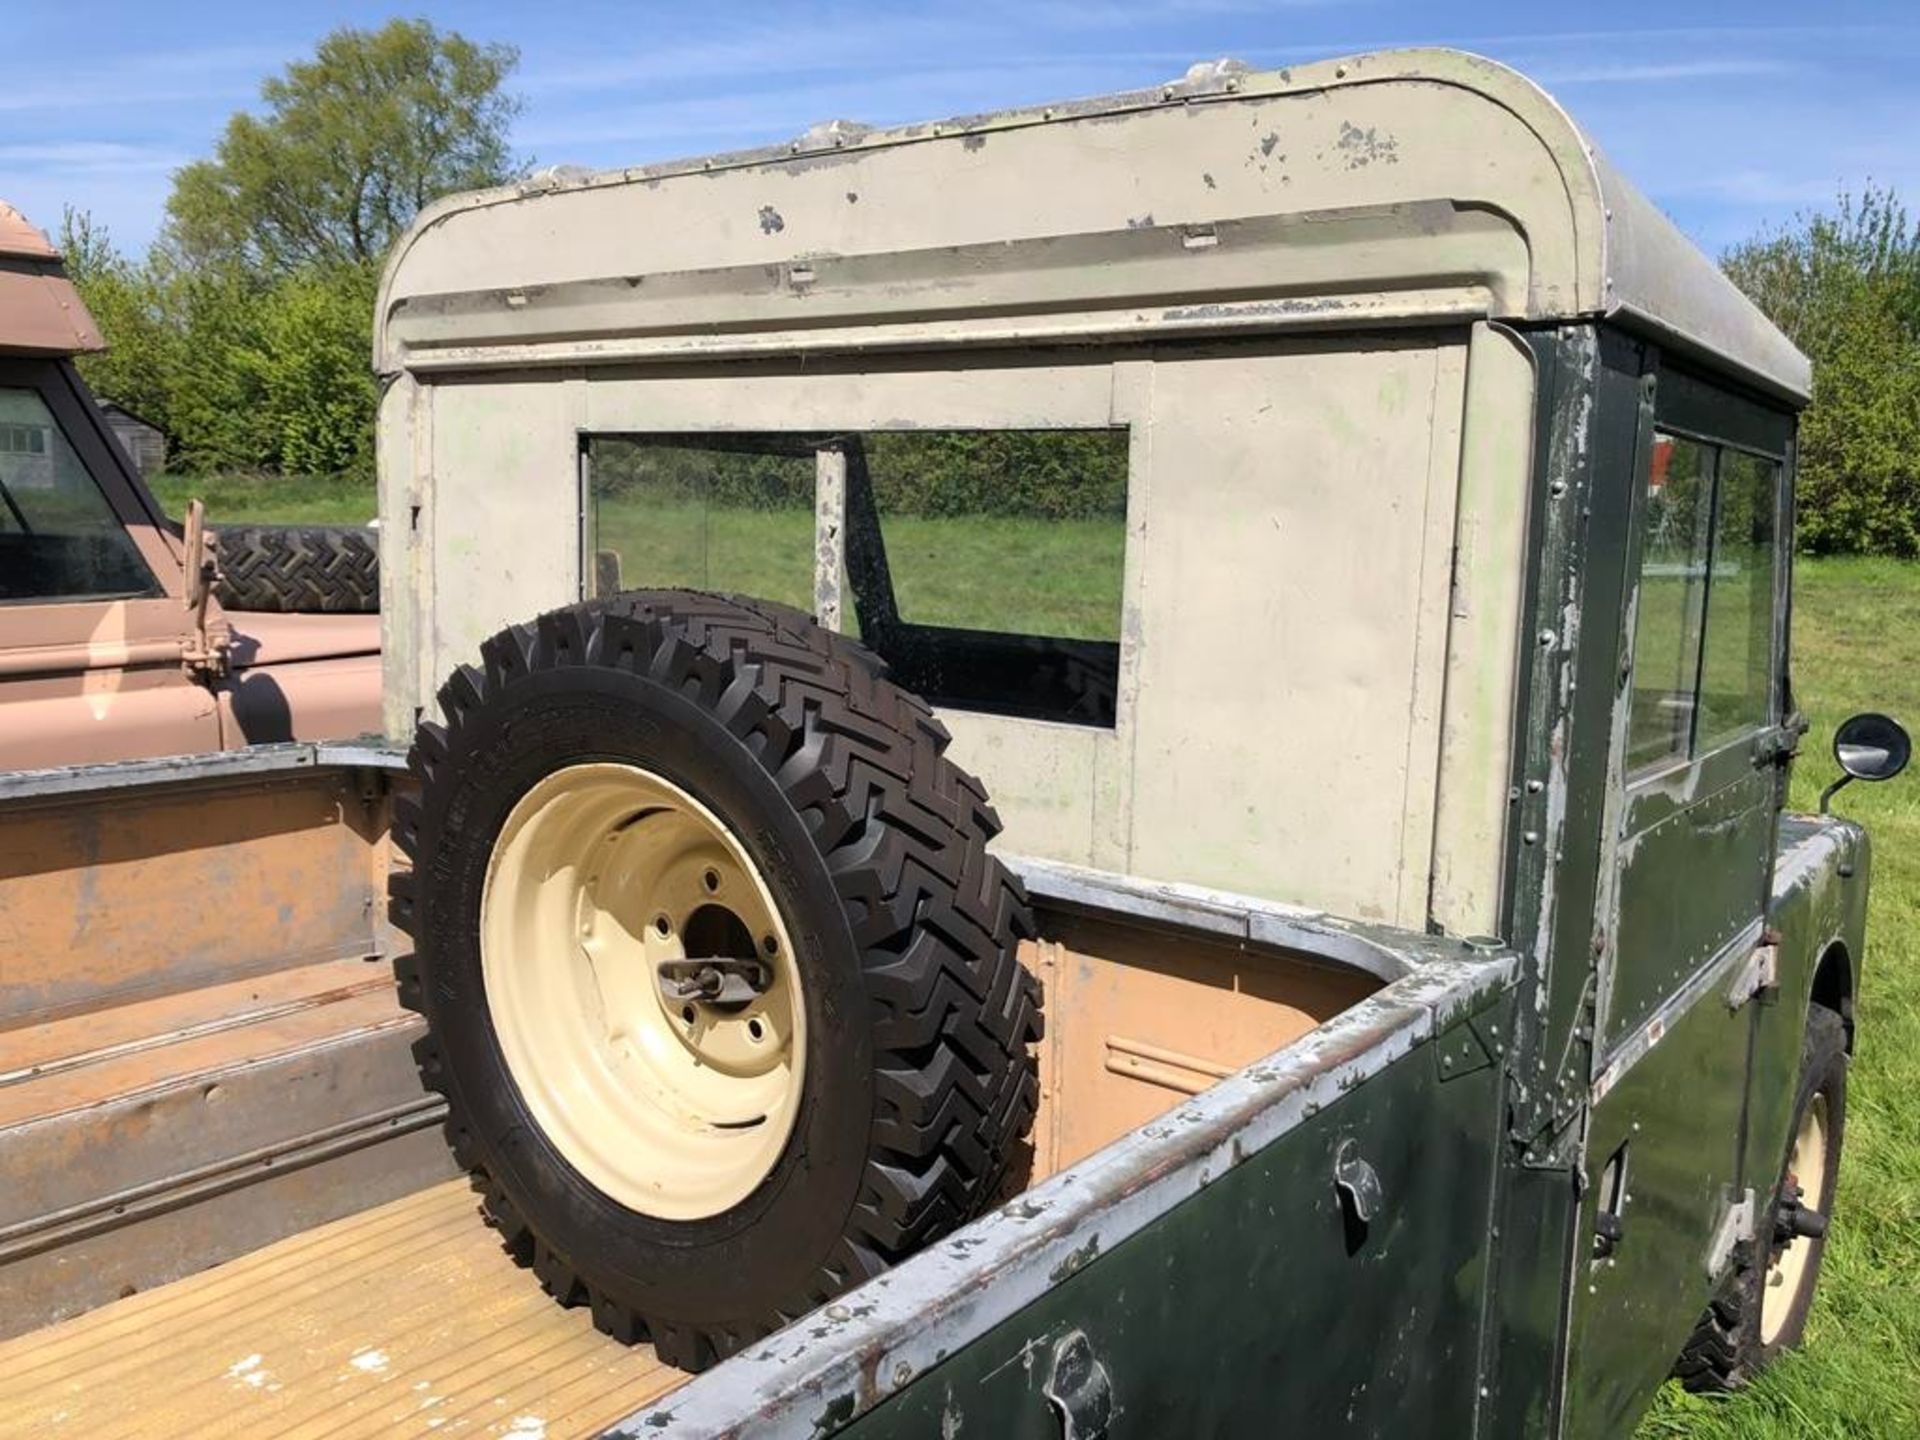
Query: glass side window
x=701 y=513
x=984 y=566
x=1675 y=531
x=1736 y=657
x=59 y=539
x=1703 y=626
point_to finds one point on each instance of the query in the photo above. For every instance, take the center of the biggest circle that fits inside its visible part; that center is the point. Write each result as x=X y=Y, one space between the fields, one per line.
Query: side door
x=1666 y=1199
x=94 y=628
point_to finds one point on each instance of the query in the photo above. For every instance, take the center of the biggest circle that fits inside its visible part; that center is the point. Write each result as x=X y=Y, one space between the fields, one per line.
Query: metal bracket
x=715 y=980
x=1078 y=1389
x=1758 y=977
x=1736 y=1229
x=1463 y=1050
x=1358 y=1181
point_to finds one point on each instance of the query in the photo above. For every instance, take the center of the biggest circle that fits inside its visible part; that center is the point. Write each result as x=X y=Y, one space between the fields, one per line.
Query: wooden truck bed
x=405 y=1320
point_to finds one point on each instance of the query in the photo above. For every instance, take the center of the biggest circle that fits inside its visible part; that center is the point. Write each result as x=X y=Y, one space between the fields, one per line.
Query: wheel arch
x=1833 y=985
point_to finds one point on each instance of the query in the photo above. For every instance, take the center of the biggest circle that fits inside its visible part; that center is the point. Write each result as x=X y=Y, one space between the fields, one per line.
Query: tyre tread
x=904 y=833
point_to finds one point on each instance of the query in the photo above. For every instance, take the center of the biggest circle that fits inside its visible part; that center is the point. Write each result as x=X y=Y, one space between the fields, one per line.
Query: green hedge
x=1047 y=475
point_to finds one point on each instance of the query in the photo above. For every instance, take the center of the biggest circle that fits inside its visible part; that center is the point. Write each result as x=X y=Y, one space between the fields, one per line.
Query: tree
x=142 y=353
x=1845 y=287
x=354 y=142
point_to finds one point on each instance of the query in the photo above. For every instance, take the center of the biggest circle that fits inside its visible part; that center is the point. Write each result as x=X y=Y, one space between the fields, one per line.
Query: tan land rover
x=124 y=636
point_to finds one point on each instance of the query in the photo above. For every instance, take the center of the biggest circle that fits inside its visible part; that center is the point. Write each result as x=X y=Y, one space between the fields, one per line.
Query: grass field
x=983 y=572
x=270 y=498
x=1856 y=647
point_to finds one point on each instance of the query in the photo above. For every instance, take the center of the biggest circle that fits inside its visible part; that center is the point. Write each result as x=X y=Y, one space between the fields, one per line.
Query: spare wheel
x=719 y=978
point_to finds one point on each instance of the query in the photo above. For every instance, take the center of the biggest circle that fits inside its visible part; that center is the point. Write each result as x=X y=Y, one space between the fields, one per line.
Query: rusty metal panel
x=1138 y=1019
x=118 y=894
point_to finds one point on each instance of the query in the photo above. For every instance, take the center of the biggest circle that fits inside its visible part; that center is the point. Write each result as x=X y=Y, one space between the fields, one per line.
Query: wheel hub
x=640 y=980
x=1799 y=1221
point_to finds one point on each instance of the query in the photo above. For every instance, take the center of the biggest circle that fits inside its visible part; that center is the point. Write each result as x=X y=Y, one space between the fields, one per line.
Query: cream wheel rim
x=1807 y=1168
x=673 y=1107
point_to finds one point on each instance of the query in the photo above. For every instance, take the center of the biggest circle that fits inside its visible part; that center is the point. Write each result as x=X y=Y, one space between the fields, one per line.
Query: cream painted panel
x=883 y=394
x=1040 y=776
x=1294 y=503
x=405 y=458
x=505 y=502
x=1489 y=582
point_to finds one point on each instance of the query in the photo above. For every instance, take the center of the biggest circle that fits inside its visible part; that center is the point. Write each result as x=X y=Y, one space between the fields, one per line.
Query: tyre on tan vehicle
x=299 y=569
x=719 y=977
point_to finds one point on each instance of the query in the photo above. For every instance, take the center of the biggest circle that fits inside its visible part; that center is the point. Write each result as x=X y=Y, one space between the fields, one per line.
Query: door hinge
x=1779 y=744
x=1078 y=1389
x=1757 y=978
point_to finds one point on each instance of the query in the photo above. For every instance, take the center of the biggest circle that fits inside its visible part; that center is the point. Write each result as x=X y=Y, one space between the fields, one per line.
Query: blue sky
x=1729 y=116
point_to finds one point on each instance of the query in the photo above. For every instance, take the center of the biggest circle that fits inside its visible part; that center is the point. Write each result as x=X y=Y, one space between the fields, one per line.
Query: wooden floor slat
x=406 y=1320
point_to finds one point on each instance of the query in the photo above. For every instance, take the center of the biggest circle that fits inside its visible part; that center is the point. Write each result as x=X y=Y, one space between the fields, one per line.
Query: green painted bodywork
x=1260 y=1298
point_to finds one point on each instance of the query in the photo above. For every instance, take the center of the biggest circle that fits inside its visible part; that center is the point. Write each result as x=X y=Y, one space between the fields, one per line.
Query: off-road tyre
x=920 y=1082
x=308 y=569
x=1726 y=1349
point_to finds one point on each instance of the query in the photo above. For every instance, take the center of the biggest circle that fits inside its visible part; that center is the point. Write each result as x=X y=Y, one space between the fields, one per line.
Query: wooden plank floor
x=406 y=1320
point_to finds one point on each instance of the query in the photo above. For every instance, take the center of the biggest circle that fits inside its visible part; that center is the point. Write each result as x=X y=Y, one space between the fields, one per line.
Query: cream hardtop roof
x=1409 y=186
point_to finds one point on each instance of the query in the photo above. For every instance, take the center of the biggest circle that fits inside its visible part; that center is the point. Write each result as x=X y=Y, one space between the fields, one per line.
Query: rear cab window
x=985 y=566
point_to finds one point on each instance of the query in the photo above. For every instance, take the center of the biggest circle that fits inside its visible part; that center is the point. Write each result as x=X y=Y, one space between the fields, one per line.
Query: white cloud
x=1656 y=71
x=91 y=157
x=222 y=72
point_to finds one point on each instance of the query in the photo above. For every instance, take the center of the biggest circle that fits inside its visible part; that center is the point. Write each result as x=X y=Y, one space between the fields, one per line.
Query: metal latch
x=1758 y=976
x=1358 y=1181
x=1736 y=1229
x=1078 y=1389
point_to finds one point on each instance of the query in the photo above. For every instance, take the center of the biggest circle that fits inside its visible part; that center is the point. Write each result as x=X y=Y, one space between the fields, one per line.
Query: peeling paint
x=1076 y=1261
x=1365 y=147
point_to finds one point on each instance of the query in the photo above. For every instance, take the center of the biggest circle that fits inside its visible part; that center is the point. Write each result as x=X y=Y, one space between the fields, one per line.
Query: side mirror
x=1868 y=746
